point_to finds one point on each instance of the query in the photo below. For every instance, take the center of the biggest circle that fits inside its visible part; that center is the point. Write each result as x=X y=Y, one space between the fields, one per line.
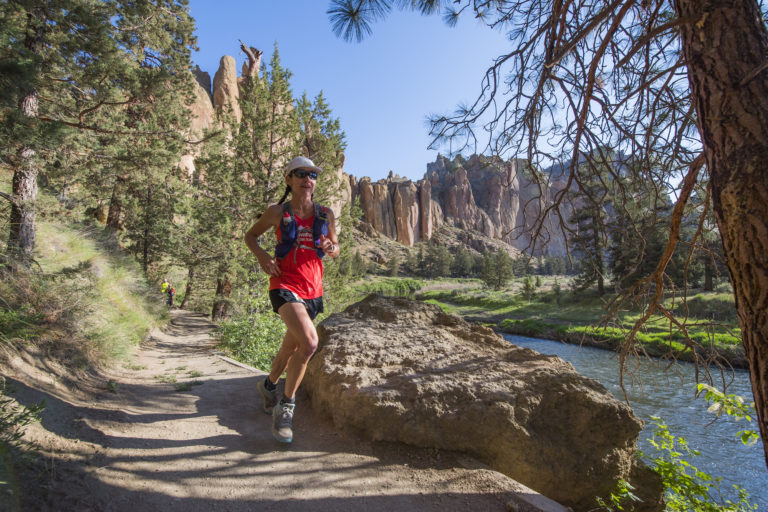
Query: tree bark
x=147 y=221
x=116 y=204
x=598 y=245
x=725 y=47
x=709 y=274
x=221 y=302
x=21 y=238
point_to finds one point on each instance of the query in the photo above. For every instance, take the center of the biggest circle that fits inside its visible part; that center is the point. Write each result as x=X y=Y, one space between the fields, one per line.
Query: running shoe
x=270 y=397
x=282 y=422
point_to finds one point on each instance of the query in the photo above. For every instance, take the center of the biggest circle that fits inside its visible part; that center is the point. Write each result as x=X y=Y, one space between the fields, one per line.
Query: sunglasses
x=302 y=173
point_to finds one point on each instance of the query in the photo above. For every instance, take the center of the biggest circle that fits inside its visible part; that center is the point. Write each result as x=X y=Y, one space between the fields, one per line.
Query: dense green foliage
x=253 y=339
x=687 y=487
x=93 y=101
x=497 y=269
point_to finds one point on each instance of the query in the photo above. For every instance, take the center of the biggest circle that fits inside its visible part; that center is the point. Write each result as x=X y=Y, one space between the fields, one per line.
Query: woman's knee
x=310 y=345
x=287 y=351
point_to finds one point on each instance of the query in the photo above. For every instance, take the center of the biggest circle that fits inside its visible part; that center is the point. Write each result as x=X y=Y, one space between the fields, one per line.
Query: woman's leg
x=299 y=344
x=280 y=362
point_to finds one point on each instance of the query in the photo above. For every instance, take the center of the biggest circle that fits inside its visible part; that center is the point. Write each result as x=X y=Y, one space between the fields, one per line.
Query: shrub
x=253 y=339
x=688 y=488
x=718 y=307
x=399 y=287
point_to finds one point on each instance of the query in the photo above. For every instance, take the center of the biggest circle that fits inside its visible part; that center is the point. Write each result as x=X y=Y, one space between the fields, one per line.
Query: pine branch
x=168 y=133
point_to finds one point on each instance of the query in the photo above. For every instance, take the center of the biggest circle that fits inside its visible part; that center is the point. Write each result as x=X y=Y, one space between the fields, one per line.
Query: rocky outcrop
x=377 y=206
x=484 y=195
x=404 y=371
x=226 y=93
x=202 y=117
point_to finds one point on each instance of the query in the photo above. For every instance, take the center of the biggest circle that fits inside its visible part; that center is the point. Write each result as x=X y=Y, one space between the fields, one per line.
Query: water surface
x=655 y=389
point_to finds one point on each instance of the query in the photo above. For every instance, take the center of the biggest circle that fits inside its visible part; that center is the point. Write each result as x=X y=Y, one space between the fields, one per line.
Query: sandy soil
x=133 y=439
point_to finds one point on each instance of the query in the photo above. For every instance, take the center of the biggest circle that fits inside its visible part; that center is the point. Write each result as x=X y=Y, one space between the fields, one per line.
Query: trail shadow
x=211 y=448
x=243 y=458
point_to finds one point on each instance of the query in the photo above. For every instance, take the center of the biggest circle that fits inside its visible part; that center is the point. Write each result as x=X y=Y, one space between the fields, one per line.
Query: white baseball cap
x=302 y=162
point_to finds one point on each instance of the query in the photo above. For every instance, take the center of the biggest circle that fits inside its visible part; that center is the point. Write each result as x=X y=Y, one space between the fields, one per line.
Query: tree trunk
x=726 y=47
x=147 y=221
x=21 y=240
x=709 y=274
x=221 y=302
x=116 y=204
x=188 y=289
x=598 y=245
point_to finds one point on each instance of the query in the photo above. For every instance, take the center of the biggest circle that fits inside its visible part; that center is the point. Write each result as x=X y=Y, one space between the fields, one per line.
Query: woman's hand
x=269 y=265
x=327 y=245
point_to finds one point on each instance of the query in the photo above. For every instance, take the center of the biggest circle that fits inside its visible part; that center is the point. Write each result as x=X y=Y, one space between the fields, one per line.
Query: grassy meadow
x=582 y=317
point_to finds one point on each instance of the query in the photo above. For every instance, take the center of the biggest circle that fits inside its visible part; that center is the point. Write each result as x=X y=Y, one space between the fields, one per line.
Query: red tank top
x=301 y=270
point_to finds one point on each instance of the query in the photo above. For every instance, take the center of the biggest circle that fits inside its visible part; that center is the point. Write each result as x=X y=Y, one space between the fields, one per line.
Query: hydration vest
x=289 y=231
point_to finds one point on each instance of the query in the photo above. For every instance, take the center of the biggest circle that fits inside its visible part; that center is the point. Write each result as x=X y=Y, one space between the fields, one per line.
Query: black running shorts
x=280 y=296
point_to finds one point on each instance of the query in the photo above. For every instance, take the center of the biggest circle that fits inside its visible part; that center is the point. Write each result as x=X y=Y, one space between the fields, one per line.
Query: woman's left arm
x=330 y=243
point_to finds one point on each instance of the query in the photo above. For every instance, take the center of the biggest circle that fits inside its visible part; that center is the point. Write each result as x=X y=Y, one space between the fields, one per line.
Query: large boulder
x=404 y=371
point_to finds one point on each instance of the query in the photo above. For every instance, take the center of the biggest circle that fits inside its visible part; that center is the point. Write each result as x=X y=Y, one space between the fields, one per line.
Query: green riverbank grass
x=578 y=318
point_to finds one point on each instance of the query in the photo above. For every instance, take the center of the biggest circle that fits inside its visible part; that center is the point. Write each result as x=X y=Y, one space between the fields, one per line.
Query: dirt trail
x=139 y=441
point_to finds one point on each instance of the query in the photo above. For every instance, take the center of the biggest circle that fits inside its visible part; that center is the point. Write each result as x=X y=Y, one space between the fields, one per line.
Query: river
x=669 y=394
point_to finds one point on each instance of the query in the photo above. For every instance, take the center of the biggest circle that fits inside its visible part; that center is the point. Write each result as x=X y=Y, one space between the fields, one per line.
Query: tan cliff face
x=202 y=118
x=226 y=93
x=495 y=198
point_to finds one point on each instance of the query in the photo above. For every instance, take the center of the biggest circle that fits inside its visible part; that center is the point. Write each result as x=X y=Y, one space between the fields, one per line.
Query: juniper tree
x=497 y=269
x=323 y=141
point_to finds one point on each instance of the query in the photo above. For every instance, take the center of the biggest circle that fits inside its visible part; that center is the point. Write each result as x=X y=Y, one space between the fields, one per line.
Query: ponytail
x=285 y=195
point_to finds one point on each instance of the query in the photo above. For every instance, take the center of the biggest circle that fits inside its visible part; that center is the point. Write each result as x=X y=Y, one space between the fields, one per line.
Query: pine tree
x=437 y=260
x=78 y=66
x=497 y=269
x=529 y=289
x=462 y=262
x=594 y=199
x=322 y=140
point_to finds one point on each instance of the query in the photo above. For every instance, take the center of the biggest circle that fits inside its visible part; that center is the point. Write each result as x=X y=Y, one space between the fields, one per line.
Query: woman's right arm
x=270 y=218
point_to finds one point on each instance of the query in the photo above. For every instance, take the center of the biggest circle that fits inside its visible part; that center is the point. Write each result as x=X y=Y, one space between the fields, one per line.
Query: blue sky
x=381 y=90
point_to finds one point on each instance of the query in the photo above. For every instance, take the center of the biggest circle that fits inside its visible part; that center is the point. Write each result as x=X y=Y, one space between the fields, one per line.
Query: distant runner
x=170 y=291
x=305 y=233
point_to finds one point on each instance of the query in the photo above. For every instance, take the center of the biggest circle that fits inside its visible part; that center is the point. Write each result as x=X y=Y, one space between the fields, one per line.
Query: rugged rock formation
x=483 y=195
x=202 y=117
x=404 y=371
x=226 y=93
